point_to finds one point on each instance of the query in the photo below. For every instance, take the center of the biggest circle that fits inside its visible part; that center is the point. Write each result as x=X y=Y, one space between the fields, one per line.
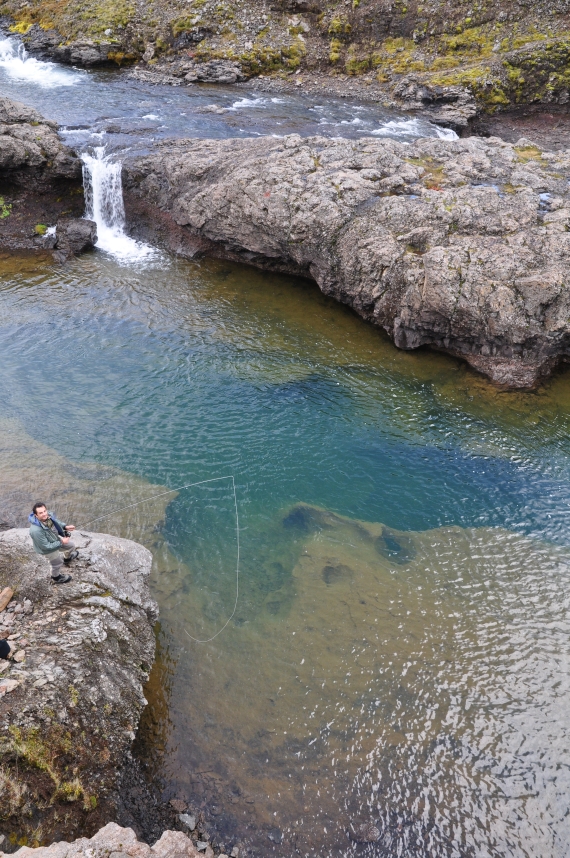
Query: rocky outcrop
x=450 y=106
x=86 y=53
x=71 y=698
x=114 y=840
x=41 y=186
x=30 y=144
x=459 y=245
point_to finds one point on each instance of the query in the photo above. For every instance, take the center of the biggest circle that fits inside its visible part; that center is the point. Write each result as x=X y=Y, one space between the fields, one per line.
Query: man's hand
x=70 y=527
x=64 y=540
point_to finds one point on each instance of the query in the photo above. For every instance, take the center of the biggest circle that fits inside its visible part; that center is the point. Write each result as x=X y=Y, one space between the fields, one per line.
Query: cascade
x=17 y=64
x=104 y=204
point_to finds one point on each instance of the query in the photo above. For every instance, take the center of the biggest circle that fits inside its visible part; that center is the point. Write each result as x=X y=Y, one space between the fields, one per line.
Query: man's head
x=40 y=511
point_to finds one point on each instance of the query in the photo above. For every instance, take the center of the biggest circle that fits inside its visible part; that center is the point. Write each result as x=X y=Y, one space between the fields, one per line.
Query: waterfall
x=104 y=204
x=17 y=64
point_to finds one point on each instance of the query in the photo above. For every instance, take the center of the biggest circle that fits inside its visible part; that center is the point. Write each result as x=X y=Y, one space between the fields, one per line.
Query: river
x=399 y=652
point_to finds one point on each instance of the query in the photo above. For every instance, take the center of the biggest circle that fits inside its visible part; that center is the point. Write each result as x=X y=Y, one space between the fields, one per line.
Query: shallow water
x=129 y=115
x=400 y=647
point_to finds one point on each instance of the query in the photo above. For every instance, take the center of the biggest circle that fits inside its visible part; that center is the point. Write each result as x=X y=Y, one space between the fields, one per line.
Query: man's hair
x=36 y=506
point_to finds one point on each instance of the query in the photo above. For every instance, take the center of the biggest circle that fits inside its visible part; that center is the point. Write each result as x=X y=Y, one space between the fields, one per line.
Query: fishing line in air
x=179 y=489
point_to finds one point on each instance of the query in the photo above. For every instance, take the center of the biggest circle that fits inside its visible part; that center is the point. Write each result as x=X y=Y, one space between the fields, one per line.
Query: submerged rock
x=71 y=700
x=365 y=833
x=460 y=245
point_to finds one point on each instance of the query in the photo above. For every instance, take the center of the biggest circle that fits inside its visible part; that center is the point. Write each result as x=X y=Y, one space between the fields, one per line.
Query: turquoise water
x=404 y=568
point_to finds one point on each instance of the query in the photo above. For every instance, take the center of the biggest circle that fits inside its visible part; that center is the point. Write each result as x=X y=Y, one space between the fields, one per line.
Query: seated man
x=51 y=539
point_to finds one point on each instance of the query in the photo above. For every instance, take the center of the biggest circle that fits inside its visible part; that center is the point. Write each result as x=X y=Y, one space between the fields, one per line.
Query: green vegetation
x=5 y=209
x=46 y=754
x=40 y=229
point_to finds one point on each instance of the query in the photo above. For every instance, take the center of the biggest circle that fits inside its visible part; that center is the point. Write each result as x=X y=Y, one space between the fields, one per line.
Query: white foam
x=104 y=204
x=18 y=65
x=445 y=133
x=151 y=116
x=248 y=102
x=413 y=128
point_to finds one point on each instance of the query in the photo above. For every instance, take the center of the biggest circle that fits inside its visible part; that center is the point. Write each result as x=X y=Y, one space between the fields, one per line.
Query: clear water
x=399 y=653
x=109 y=106
x=400 y=649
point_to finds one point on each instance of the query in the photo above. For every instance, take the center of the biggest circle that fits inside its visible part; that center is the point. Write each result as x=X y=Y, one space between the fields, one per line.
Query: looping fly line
x=179 y=489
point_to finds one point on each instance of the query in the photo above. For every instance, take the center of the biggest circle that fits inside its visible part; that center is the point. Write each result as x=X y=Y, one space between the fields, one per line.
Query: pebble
x=187 y=820
x=20 y=655
x=7 y=685
x=201 y=845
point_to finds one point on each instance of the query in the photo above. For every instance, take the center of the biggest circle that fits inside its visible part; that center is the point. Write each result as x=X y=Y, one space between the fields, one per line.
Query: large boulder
x=71 y=699
x=461 y=245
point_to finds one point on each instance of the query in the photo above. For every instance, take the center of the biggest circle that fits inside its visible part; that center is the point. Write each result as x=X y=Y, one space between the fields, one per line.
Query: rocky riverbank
x=114 y=840
x=460 y=245
x=41 y=187
x=71 y=698
x=504 y=54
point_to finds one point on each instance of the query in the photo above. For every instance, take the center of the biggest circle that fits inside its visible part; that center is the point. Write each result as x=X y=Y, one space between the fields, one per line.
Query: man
x=50 y=538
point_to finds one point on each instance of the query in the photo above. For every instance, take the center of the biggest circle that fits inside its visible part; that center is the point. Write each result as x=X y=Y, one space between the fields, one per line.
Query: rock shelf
x=460 y=245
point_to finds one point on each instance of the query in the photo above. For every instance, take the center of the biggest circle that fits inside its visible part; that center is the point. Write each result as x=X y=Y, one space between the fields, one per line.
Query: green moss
x=334 y=50
x=40 y=229
x=473 y=40
x=21 y=28
x=5 y=209
x=339 y=27
x=358 y=60
x=441 y=63
x=528 y=153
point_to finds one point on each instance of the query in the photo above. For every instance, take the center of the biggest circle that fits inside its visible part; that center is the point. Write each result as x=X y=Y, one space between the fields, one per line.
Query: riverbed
x=397 y=653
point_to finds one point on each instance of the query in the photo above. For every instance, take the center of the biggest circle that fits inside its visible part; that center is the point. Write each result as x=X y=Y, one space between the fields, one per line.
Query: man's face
x=42 y=513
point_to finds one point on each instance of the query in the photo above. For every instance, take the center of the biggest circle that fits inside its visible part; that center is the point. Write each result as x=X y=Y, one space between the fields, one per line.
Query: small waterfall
x=14 y=60
x=104 y=205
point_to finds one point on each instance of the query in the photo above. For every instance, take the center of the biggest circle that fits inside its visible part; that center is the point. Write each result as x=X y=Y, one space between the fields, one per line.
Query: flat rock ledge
x=71 y=699
x=463 y=246
x=118 y=842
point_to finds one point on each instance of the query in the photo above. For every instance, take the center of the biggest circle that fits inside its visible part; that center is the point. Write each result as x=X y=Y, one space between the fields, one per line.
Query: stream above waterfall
x=397 y=662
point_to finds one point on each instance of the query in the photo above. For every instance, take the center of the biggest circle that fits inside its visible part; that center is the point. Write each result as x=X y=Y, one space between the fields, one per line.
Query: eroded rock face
x=117 y=841
x=28 y=141
x=460 y=245
x=70 y=702
x=40 y=182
